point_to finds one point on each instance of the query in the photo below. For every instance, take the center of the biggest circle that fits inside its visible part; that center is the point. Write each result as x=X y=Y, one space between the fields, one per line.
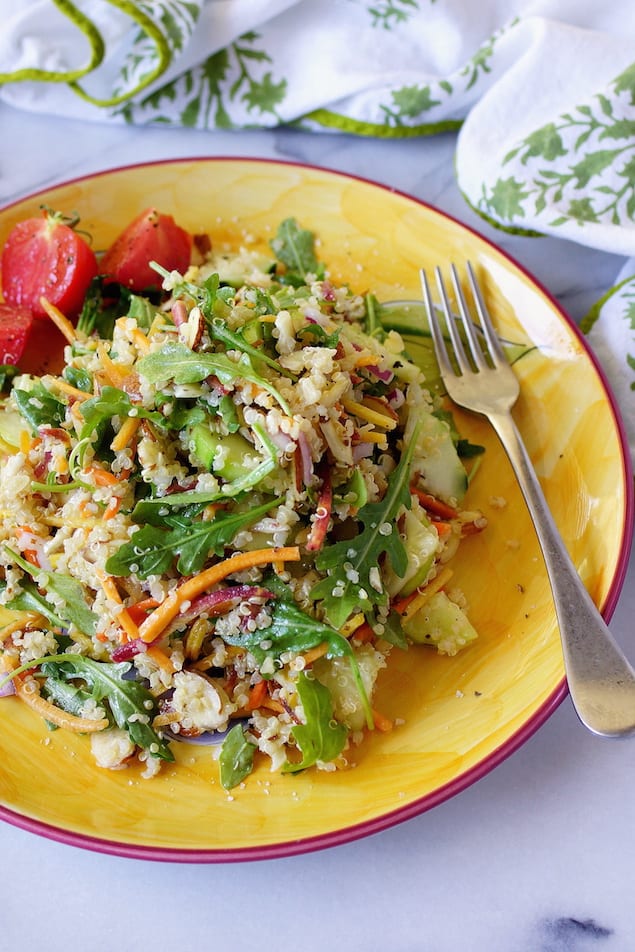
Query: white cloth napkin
x=543 y=93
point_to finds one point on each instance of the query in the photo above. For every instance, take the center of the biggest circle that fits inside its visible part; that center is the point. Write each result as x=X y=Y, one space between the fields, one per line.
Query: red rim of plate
x=417 y=807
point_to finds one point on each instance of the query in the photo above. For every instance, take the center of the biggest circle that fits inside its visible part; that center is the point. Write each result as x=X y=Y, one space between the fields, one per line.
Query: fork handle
x=601 y=680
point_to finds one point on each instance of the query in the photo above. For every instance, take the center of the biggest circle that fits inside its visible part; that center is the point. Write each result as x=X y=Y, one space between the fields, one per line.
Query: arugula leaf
x=320 y=737
x=228 y=414
x=329 y=340
x=236 y=757
x=175 y=361
x=292 y=629
x=131 y=704
x=104 y=302
x=295 y=248
x=29 y=599
x=109 y=403
x=218 y=330
x=348 y=586
x=152 y=549
x=75 y=611
x=38 y=407
x=78 y=378
x=142 y=310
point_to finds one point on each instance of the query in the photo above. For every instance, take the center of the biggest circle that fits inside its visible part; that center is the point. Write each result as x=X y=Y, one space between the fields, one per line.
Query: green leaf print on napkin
x=580 y=167
x=233 y=80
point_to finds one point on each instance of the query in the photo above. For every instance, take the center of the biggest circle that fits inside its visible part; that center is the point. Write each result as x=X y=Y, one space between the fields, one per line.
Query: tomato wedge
x=152 y=236
x=16 y=325
x=45 y=257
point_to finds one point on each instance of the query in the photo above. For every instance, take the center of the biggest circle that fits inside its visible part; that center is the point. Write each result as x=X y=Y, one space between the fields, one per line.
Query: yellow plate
x=460 y=716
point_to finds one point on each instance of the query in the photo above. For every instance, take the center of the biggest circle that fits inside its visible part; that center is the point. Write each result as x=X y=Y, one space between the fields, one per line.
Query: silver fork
x=601 y=680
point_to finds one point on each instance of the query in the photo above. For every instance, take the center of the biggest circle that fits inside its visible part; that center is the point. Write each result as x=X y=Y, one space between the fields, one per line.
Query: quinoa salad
x=235 y=500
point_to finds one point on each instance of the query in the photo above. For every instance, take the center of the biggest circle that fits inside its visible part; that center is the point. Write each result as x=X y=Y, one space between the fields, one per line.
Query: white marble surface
x=536 y=857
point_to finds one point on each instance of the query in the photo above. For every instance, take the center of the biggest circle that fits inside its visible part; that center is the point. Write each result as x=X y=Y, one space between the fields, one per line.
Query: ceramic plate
x=460 y=716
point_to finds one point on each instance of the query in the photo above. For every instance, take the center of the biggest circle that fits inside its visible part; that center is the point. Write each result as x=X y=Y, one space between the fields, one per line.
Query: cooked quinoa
x=222 y=516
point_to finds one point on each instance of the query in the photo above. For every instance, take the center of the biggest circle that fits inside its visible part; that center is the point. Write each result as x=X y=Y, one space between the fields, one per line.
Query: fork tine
x=457 y=343
x=494 y=346
x=440 y=348
x=467 y=321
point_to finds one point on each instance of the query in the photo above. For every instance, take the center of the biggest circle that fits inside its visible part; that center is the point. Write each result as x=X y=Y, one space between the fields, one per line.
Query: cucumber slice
x=437 y=461
x=420 y=541
x=442 y=623
x=11 y=426
x=229 y=457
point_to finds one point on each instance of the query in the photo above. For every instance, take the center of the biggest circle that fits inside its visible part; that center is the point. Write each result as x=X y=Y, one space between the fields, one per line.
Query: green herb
x=7 y=373
x=218 y=330
x=292 y=629
x=320 y=737
x=102 y=306
x=110 y=403
x=38 y=407
x=295 y=248
x=152 y=549
x=131 y=704
x=348 y=586
x=29 y=599
x=74 y=610
x=236 y=757
x=393 y=631
x=176 y=362
x=372 y=321
x=142 y=310
x=464 y=448
x=78 y=378
x=192 y=497
x=317 y=331
x=227 y=413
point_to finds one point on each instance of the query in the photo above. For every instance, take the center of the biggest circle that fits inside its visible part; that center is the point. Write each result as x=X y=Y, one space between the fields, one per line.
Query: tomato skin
x=152 y=236
x=16 y=326
x=43 y=257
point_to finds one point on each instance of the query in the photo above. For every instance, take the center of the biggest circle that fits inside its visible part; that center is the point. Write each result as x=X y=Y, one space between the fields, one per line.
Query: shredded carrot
x=271 y=704
x=116 y=374
x=382 y=723
x=433 y=505
x=139 y=612
x=61 y=385
x=160 y=658
x=113 y=507
x=257 y=694
x=126 y=434
x=27 y=689
x=130 y=628
x=101 y=476
x=364 y=633
x=314 y=653
x=169 y=609
x=60 y=320
x=423 y=595
x=31 y=556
